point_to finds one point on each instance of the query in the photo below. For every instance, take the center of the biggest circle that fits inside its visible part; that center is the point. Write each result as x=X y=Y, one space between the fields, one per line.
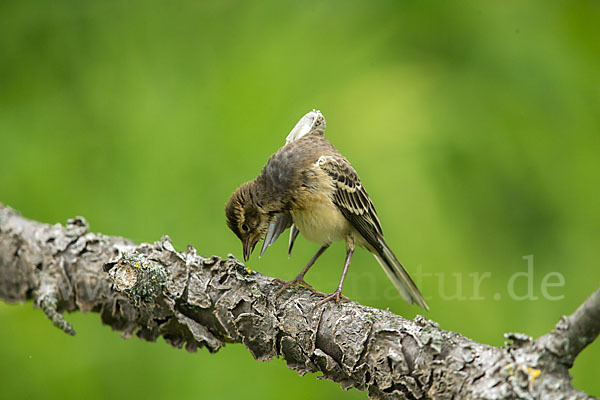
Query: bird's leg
x=299 y=280
x=337 y=295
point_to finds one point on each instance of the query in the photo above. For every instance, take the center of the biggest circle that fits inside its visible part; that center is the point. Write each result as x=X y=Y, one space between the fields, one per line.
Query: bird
x=307 y=186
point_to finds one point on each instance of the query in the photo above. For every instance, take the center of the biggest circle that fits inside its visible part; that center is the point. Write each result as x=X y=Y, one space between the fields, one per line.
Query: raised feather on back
x=311 y=123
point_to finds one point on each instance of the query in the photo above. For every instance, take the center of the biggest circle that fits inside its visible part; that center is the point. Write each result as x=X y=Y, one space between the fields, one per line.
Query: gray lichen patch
x=48 y=304
x=141 y=279
x=517 y=339
x=432 y=336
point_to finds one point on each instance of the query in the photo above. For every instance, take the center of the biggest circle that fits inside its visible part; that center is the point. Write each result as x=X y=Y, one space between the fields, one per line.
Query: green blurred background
x=476 y=128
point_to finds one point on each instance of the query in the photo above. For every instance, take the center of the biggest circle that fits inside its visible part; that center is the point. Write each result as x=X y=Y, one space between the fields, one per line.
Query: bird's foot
x=298 y=281
x=335 y=296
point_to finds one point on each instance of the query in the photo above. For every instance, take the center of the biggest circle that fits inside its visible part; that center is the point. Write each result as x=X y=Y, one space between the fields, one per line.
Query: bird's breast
x=319 y=219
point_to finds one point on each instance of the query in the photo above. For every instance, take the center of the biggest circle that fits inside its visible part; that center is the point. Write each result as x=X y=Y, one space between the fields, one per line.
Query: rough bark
x=193 y=301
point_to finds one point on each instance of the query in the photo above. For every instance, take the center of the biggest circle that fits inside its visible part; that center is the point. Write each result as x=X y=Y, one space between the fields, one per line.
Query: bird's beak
x=248 y=247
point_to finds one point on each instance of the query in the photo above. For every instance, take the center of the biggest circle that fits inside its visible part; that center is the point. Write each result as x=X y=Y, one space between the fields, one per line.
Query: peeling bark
x=194 y=301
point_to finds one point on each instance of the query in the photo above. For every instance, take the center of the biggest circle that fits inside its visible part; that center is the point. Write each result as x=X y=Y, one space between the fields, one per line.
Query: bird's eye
x=245 y=228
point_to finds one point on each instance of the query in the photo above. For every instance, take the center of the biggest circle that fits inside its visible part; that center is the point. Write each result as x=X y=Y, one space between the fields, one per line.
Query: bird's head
x=246 y=217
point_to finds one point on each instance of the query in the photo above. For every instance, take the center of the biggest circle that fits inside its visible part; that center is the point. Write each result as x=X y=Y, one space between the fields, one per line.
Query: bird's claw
x=335 y=296
x=298 y=281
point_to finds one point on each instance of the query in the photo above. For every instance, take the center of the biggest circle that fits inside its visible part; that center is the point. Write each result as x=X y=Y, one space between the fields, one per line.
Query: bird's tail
x=398 y=275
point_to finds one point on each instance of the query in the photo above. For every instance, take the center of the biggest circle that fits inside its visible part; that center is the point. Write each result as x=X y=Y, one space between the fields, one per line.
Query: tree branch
x=573 y=333
x=153 y=290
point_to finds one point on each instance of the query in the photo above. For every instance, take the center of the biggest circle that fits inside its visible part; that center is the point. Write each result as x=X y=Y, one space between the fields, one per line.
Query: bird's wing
x=280 y=223
x=351 y=198
x=293 y=235
x=354 y=203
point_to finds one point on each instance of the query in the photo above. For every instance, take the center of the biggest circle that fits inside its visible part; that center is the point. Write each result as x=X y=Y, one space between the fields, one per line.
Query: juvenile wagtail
x=310 y=187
